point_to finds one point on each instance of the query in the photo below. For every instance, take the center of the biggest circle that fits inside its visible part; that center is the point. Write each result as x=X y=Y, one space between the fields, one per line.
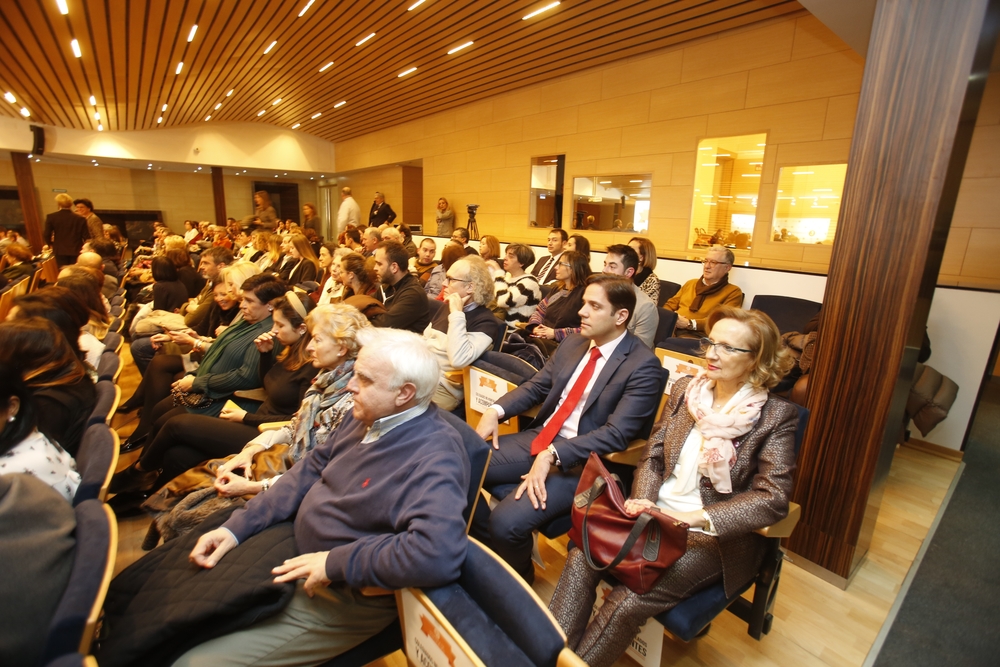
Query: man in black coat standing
x=65 y=231
x=381 y=212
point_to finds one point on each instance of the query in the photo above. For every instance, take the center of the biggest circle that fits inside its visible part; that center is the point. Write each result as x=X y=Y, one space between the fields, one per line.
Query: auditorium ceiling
x=333 y=69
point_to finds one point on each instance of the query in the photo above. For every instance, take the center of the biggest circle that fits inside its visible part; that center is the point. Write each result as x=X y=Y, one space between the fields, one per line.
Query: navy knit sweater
x=389 y=512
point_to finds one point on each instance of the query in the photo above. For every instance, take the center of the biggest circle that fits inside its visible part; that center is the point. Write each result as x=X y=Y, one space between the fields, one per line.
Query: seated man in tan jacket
x=699 y=297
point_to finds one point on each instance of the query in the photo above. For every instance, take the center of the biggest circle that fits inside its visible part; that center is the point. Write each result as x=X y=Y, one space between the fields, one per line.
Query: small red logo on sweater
x=365 y=485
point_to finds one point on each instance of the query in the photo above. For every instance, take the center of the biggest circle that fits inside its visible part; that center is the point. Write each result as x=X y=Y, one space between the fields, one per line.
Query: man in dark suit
x=545 y=268
x=597 y=393
x=65 y=231
x=381 y=212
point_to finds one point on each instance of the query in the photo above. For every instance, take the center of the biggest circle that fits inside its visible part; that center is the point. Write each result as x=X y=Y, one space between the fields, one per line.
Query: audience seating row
x=75 y=622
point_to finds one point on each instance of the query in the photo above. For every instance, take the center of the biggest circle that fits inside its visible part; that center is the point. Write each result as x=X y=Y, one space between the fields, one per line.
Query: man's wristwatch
x=692 y=325
x=551 y=449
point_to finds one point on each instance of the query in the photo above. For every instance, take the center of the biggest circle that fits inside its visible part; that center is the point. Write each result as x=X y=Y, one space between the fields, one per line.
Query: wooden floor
x=815 y=623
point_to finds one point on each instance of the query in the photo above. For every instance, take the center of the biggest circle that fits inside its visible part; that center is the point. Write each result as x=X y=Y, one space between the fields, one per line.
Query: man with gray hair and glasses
x=378 y=504
x=698 y=298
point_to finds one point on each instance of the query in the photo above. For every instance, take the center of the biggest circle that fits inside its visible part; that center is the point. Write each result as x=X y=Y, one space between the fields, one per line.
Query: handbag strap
x=644 y=520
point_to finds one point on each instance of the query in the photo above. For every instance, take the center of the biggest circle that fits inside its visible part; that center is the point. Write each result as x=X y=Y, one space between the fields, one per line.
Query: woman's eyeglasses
x=721 y=348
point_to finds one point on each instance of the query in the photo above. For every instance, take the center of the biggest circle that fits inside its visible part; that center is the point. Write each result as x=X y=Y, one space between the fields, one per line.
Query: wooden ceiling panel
x=131 y=49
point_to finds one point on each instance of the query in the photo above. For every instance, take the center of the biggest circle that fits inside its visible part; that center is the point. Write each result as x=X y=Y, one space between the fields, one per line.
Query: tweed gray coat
x=761 y=478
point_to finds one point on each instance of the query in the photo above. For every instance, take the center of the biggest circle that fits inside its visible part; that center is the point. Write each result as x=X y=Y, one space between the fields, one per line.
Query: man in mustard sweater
x=698 y=298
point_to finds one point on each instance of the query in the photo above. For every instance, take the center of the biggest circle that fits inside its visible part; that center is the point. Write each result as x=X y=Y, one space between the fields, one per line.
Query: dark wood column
x=219 y=194
x=29 y=201
x=923 y=82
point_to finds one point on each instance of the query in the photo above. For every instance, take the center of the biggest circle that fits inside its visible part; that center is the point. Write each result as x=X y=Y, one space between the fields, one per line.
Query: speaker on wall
x=38 y=146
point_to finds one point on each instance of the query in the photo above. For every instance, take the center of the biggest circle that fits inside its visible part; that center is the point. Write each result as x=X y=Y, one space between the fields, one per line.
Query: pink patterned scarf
x=719 y=429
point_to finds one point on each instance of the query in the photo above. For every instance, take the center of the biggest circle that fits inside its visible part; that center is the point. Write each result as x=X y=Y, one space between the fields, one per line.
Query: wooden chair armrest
x=257 y=394
x=454 y=377
x=628 y=456
x=375 y=591
x=569 y=659
x=784 y=527
x=272 y=426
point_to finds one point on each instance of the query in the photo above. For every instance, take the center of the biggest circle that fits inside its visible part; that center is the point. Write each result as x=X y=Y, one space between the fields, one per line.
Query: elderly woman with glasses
x=720 y=459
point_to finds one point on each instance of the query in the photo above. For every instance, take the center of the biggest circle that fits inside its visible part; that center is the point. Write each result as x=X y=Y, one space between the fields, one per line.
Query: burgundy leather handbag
x=636 y=550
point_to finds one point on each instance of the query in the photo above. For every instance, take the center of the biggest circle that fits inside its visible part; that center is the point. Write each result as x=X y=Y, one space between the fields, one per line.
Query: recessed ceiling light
x=316 y=115
x=208 y=117
x=415 y=5
x=194 y=29
x=75 y=45
x=339 y=104
x=148 y=168
x=310 y=178
x=38 y=159
x=639 y=181
x=218 y=106
x=286 y=173
x=10 y=98
x=296 y=126
x=270 y=46
x=199 y=168
x=63 y=9
x=30 y=156
x=100 y=128
x=409 y=71
x=96 y=165
x=93 y=101
x=326 y=67
x=365 y=39
x=604 y=182
x=93 y=160
x=25 y=112
x=150 y=164
x=230 y=93
x=539 y=11
x=163 y=108
x=459 y=48
x=261 y=113
x=244 y=171
x=97 y=115
x=306 y=8
x=159 y=120
x=180 y=66
x=276 y=102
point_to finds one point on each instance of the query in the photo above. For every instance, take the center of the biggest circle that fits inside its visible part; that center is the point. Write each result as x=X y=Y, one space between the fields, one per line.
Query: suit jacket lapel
x=616 y=360
x=560 y=379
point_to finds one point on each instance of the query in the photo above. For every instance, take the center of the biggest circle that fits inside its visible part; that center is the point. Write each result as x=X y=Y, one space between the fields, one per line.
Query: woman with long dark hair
x=38 y=352
x=23 y=448
x=558 y=315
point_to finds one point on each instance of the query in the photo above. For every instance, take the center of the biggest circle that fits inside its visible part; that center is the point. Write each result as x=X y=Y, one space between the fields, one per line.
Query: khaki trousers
x=308 y=631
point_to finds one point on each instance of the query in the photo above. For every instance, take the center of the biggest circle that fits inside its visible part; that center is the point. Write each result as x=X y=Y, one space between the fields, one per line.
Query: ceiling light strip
x=460 y=47
x=404 y=73
x=75 y=45
x=326 y=67
x=365 y=39
x=415 y=5
x=306 y=8
x=339 y=104
x=539 y=11
x=194 y=29
x=270 y=46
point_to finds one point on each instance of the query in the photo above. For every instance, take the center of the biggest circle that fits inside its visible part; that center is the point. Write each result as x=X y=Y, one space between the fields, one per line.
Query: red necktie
x=551 y=430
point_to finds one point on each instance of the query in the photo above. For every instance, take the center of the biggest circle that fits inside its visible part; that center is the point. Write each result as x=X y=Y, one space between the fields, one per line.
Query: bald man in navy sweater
x=379 y=504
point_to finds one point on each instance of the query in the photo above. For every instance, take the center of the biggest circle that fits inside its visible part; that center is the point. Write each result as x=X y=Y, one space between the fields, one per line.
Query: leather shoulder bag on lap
x=636 y=550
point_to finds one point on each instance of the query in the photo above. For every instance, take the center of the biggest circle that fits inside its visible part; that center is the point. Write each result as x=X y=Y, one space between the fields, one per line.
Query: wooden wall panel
x=923 y=82
x=29 y=200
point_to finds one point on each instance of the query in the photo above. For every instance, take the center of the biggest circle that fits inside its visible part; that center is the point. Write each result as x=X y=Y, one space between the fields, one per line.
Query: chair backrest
x=109 y=367
x=96 y=461
x=800 y=428
x=788 y=313
x=116 y=325
x=35 y=280
x=21 y=286
x=514 y=369
x=667 y=290
x=433 y=306
x=50 y=270
x=113 y=341
x=6 y=301
x=108 y=396
x=479 y=452
x=72 y=627
x=665 y=329
x=493 y=614
x=116 y=311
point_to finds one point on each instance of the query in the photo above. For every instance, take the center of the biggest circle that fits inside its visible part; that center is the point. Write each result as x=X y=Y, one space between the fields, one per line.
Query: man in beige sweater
x=699 y=297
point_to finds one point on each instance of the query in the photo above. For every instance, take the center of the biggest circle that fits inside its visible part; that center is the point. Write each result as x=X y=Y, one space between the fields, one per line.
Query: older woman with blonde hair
x=333 y=348
x=720 y=460
x=465 y=327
